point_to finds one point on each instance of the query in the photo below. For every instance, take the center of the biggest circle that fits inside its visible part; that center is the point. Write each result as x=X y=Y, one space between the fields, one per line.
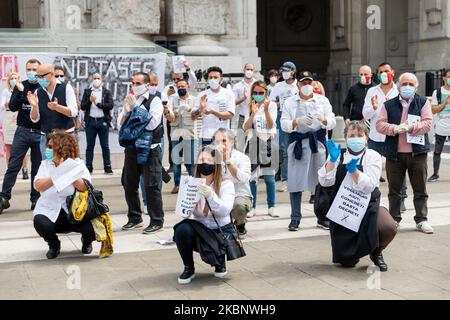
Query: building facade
x=330 y=37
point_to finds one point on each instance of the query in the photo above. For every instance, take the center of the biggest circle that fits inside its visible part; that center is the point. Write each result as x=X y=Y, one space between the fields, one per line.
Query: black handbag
x=95 y=205
x=233 y=245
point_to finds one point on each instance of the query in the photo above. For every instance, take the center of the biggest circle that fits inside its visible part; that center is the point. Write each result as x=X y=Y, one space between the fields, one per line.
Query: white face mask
x=140 y=90
x=214 y=83
x=273 y=80
x=249 y=74
x=286 y=75
x=97 y=83
x=152 y=90
x=307 y=90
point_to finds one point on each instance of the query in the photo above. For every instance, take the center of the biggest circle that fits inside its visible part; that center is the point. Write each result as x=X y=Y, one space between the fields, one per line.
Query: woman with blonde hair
x=262 y=128
x=9 y=121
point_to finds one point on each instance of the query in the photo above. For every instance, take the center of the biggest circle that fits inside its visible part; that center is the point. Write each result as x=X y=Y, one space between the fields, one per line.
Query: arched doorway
x=296 y=30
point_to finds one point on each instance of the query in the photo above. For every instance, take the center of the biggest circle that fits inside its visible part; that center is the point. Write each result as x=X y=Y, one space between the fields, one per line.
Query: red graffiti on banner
x=8 y=63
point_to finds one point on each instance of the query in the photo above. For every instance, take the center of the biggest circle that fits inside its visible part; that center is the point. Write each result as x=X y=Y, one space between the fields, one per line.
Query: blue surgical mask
x=12 y=83
x=31 y=76
x=356 y=145
x=61 y=80
x=49 y=154
x=448 y=81
x=407 y=92
x=43 y=83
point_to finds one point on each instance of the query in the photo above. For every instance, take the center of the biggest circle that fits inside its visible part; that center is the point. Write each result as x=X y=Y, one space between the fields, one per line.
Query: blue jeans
x=296 y=210
x=270 y=190
x=94 y=127
x=283 y=141
x=185 y=148
x=43 y=146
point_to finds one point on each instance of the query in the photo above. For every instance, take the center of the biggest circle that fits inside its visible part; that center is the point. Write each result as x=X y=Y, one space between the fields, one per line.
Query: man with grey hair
x=97 y=104
x=406 y=121
x=237 y=167
x=242 y=91
x=354 y=103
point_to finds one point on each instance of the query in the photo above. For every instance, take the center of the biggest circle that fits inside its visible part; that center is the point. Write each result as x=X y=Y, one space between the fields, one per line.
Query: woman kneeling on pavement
x=212 y=213
x=377 y=228
x=50 y=214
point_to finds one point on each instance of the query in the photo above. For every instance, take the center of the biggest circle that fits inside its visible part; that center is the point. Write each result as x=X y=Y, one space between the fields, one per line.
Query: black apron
x=346 y=244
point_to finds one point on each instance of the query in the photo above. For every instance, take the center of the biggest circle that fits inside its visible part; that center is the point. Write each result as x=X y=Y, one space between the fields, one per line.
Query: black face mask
x=206 y=169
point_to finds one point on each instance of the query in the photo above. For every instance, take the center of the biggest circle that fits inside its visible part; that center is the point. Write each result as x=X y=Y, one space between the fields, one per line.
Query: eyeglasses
x=42 y=76
x=59 y=76
x=259 y=93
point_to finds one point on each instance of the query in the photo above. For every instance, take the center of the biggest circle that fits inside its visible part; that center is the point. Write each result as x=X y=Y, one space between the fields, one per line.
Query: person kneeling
x=377 y=227
x=50 y=214
x=201 y=231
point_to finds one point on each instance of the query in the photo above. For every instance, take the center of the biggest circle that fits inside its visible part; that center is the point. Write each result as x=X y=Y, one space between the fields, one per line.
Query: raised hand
x=53 y=105
x=333 y=150
x=32 y=99
x=352 y=166
x=375 y=104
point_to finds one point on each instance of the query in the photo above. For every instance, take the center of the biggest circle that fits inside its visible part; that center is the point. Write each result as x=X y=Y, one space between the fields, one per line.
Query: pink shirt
x=420 y=128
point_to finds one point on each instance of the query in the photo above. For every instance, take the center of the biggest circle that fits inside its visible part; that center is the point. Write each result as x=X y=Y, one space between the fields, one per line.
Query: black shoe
x=25 y=174
x=132 y=225
x=152 y=229
x=109 y=171
x=294 y=226
x=4 y=204
x=325 y=224
x=312 y=199
x=33 y=205
x=378 y=260
x=87 y=247
x=242 y=232
x=53 y=252
x=382 y=179
x=187 y=276
x=434 y=178
x=220 y=271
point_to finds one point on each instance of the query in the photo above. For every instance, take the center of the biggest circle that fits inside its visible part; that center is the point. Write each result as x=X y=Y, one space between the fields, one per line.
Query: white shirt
x=372 y=115
x=71 y=101
x=221 y=205
x=51 y=201
x=182 y=108
x=240 y=89
x=96 y=112
x=442 y=119
x=223 y=101
x=156 y=111
x=5 y=98
x=283 y=91
x=244 y=168
x=368 y=180
x=295 y=107
x=260 y=121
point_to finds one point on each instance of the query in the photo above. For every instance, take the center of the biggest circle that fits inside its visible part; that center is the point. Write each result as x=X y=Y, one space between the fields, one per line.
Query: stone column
x=197 y=25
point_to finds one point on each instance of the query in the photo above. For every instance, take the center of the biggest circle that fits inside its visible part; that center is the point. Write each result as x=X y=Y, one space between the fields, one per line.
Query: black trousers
x=24 y=139
x=152 y=173
x=48 y=230
x=417 y=168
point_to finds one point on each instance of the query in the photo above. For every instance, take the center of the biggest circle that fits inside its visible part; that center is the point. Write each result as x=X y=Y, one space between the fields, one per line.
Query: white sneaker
x=425 y=227
x=251 y=213
x=284 y=187
x=273 y=214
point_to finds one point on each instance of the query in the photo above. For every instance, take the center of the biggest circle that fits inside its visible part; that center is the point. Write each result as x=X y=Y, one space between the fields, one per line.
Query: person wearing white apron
x=359 y=169
x=306 y=118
